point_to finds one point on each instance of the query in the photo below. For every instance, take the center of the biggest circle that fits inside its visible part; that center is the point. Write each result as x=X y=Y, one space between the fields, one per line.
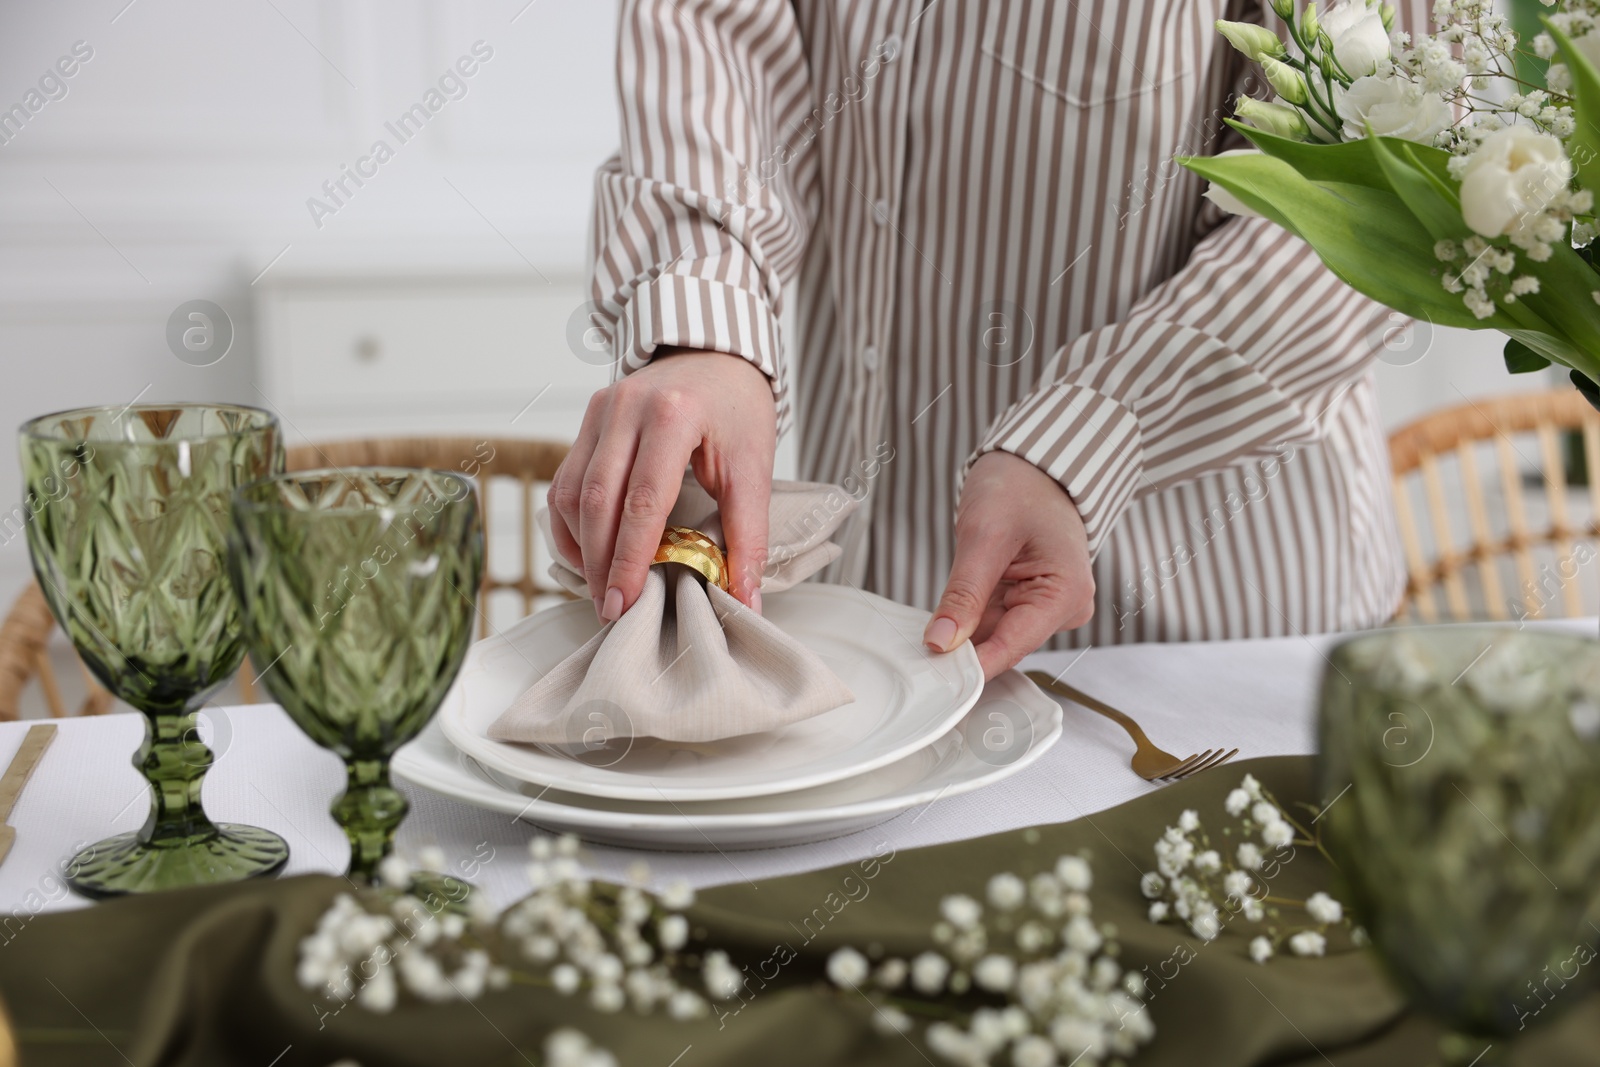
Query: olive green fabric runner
x=205 y=977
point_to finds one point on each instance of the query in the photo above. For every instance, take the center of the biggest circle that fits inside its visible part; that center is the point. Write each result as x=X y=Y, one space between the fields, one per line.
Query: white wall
x=179 y=162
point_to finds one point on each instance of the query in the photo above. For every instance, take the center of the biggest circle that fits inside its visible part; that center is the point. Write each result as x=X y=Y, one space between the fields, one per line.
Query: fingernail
x=941 y=633
x=613 y=608
x=755 y=601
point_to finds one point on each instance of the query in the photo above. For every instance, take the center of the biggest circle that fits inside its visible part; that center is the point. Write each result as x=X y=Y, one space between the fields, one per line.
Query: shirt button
x=889 y=48
x=869 y=357
x=880 y=211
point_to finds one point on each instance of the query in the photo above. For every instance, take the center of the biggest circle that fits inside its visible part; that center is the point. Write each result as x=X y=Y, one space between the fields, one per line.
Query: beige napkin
x=688 y=662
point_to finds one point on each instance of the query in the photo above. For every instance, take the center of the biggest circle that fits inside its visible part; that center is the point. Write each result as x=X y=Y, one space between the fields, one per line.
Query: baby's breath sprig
x=1026 y=971
x=1206 y=887
x=619 y=946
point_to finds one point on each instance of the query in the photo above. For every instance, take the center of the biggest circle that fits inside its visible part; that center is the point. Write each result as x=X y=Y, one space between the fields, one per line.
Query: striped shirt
x=995 y=250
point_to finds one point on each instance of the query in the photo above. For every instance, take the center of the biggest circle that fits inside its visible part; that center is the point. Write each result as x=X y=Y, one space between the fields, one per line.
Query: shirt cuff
x=1089 y=443
x=682 y=311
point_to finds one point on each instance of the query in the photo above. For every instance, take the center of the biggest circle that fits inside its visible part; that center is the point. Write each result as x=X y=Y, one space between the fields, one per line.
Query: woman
x=1150 y=420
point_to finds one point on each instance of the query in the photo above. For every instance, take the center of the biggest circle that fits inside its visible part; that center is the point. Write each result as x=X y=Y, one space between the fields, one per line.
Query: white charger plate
x=1012 y=725
x=906 y=696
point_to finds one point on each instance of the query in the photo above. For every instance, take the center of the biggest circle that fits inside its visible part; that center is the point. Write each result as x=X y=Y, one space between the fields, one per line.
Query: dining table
x=1259 y=696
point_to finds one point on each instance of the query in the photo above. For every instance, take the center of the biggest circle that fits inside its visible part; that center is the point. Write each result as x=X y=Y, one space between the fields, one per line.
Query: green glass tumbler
x=1466 y=765
x=128 y=513
x=359 y=588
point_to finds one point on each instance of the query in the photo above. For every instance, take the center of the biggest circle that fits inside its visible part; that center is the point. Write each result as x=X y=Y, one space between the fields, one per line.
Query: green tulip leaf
x=1365 y=234
x=1584 y=144
x=1520 y=359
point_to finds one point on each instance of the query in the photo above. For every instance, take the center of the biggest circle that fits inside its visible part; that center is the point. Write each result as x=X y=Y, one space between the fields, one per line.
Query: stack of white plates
x=922 y=727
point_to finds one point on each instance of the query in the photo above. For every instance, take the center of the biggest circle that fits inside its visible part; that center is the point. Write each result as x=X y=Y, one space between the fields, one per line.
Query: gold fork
x=1149 y=762
x=29 y=753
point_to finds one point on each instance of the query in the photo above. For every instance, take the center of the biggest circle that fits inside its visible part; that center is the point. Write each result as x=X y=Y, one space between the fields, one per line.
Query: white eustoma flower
x=1391 y=107
x=1261 y=950
x=1360 y=43
x=847 y=968
x=1324 y=909
x=1516 y=171
x=1308 y=943
x=1226 y=200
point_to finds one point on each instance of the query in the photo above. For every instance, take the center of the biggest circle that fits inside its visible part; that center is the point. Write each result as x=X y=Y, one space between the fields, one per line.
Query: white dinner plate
x=905 y=695
x=1009 y=728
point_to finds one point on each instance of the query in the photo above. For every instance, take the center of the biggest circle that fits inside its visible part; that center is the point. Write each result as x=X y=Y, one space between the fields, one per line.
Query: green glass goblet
x=1466 y=762
x=358 y=589
x=127 y=526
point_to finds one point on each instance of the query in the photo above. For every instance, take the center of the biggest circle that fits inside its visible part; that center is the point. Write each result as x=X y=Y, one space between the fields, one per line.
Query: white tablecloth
x=1258 y=696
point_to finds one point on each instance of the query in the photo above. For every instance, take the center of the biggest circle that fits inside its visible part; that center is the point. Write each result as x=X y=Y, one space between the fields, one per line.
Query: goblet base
x=440 y=892
x=123 y=864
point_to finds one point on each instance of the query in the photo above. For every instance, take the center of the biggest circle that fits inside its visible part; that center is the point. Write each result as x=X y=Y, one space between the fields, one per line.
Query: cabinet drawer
x=410 y=343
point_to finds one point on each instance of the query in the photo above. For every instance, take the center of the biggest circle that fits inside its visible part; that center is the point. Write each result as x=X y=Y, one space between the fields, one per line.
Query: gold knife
x=27 y=758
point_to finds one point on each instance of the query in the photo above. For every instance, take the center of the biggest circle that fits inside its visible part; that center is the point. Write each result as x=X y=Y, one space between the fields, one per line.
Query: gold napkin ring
x=680 y=544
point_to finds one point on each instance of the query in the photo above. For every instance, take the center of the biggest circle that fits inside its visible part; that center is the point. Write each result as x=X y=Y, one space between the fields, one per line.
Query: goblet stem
x=174 y=761
x=178 y=844
x=369 y=810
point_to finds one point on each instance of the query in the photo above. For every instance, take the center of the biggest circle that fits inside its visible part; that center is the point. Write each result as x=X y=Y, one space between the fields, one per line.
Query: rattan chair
x=1477 y=543
x=500 y=464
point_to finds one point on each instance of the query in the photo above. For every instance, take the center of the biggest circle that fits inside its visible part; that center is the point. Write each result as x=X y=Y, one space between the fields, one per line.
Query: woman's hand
x=610 y=498
x=1021 y=569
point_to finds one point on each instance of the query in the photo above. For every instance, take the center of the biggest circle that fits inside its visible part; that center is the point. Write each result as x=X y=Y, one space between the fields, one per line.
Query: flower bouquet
x=1428 y=173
